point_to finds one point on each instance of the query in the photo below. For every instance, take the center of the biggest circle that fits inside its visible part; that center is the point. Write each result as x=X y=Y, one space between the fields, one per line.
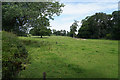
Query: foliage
x=68 y=33
x=42 y=31
x=100 y=25
x=18 y=17
x=115 y=31
x=59 y=32
x=14 y=55
x=73 y=28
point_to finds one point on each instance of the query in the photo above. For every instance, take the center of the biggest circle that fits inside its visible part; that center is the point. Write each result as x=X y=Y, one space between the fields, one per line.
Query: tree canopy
x=115 y=31
x=42 y=31
x=19 y=16
x=100 y=25
x=73 y=28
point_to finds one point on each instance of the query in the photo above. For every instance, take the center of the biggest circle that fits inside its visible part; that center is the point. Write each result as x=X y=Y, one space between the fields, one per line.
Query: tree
x=18 y=17
x=49 y=32
x=68 y=33
x=101 y=25
x=115 y=31
x=59 y=32
x=54 y=31
x=64 y=32
x=84 y=31
x=42 y=31
x=95 y=26
x=73 y=29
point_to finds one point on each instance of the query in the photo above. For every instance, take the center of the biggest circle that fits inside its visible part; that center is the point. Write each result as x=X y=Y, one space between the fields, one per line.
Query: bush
x=14 y=55
x=108 y=36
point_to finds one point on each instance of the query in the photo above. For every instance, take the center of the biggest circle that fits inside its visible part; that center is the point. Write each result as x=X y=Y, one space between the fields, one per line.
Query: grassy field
x=65 y=57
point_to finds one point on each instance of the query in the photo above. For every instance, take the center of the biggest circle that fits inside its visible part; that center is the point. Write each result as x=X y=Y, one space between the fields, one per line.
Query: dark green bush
x=108 y=36
x=14 y=55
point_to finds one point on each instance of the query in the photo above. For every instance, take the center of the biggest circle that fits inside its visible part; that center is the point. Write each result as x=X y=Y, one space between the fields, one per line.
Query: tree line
x=20 y=17
x=98 y=26
x=59 y=32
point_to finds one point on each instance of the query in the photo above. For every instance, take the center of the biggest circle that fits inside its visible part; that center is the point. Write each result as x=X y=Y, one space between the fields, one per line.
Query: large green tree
x=19 y=16
x=101 y=25
x=42 y=31
x=95 y=26
x=115 y=31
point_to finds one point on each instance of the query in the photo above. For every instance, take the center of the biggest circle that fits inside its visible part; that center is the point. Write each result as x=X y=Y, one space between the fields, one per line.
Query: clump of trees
x=59 y=32
x=42 y=31
x=99 y=25
x=18 y=17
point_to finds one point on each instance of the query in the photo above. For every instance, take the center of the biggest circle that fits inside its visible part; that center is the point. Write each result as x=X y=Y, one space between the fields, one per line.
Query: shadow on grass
x=77 y=70
x=62 y=64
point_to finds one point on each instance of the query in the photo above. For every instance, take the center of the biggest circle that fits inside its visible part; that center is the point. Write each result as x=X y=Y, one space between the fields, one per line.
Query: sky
x=80 y=9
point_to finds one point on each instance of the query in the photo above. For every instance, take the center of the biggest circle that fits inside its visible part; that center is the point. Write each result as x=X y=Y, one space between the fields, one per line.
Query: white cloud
x=82 y=9
x=78 y=11
x=61 y=26
x=88 y=0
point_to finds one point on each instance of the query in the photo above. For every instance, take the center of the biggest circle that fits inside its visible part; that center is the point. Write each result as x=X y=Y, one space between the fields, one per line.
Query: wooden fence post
x=44 y=75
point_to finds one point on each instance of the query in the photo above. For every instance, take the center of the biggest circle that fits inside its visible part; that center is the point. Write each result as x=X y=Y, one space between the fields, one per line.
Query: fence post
x=44 y=75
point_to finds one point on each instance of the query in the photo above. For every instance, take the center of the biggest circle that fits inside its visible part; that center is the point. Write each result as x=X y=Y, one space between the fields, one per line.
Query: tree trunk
x=73 y=35
x=41 y=36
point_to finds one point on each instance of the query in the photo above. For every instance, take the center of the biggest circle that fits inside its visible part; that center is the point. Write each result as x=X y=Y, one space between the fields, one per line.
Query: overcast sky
x=79 y=9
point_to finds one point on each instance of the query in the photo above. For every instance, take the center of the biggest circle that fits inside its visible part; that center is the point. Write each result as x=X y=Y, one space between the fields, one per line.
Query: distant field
x=65 y=57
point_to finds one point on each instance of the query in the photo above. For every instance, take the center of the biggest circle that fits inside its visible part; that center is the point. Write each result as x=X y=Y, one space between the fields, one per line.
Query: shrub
x=14 y=55
x=108 y=36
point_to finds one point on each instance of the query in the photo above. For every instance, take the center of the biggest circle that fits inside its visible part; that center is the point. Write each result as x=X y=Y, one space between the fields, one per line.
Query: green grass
x=65 y=57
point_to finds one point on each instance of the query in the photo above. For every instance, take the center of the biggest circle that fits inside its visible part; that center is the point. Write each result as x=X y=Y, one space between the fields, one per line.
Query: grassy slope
x=71 y=58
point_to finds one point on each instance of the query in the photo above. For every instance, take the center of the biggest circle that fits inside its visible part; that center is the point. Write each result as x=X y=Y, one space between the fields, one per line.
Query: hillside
x=65 y=57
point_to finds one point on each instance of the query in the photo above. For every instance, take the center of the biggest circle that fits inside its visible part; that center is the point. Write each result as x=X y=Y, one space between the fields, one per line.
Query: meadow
x=66 y=57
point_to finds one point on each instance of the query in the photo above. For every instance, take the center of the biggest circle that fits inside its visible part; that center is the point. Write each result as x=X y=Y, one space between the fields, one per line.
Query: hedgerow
x=14 y=55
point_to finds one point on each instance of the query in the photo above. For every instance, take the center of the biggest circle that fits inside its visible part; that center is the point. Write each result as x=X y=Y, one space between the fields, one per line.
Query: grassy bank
x=65 y=57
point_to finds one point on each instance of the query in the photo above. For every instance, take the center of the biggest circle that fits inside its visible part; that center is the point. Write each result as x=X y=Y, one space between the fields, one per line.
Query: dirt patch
x=83 y=39
x=80 y=39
